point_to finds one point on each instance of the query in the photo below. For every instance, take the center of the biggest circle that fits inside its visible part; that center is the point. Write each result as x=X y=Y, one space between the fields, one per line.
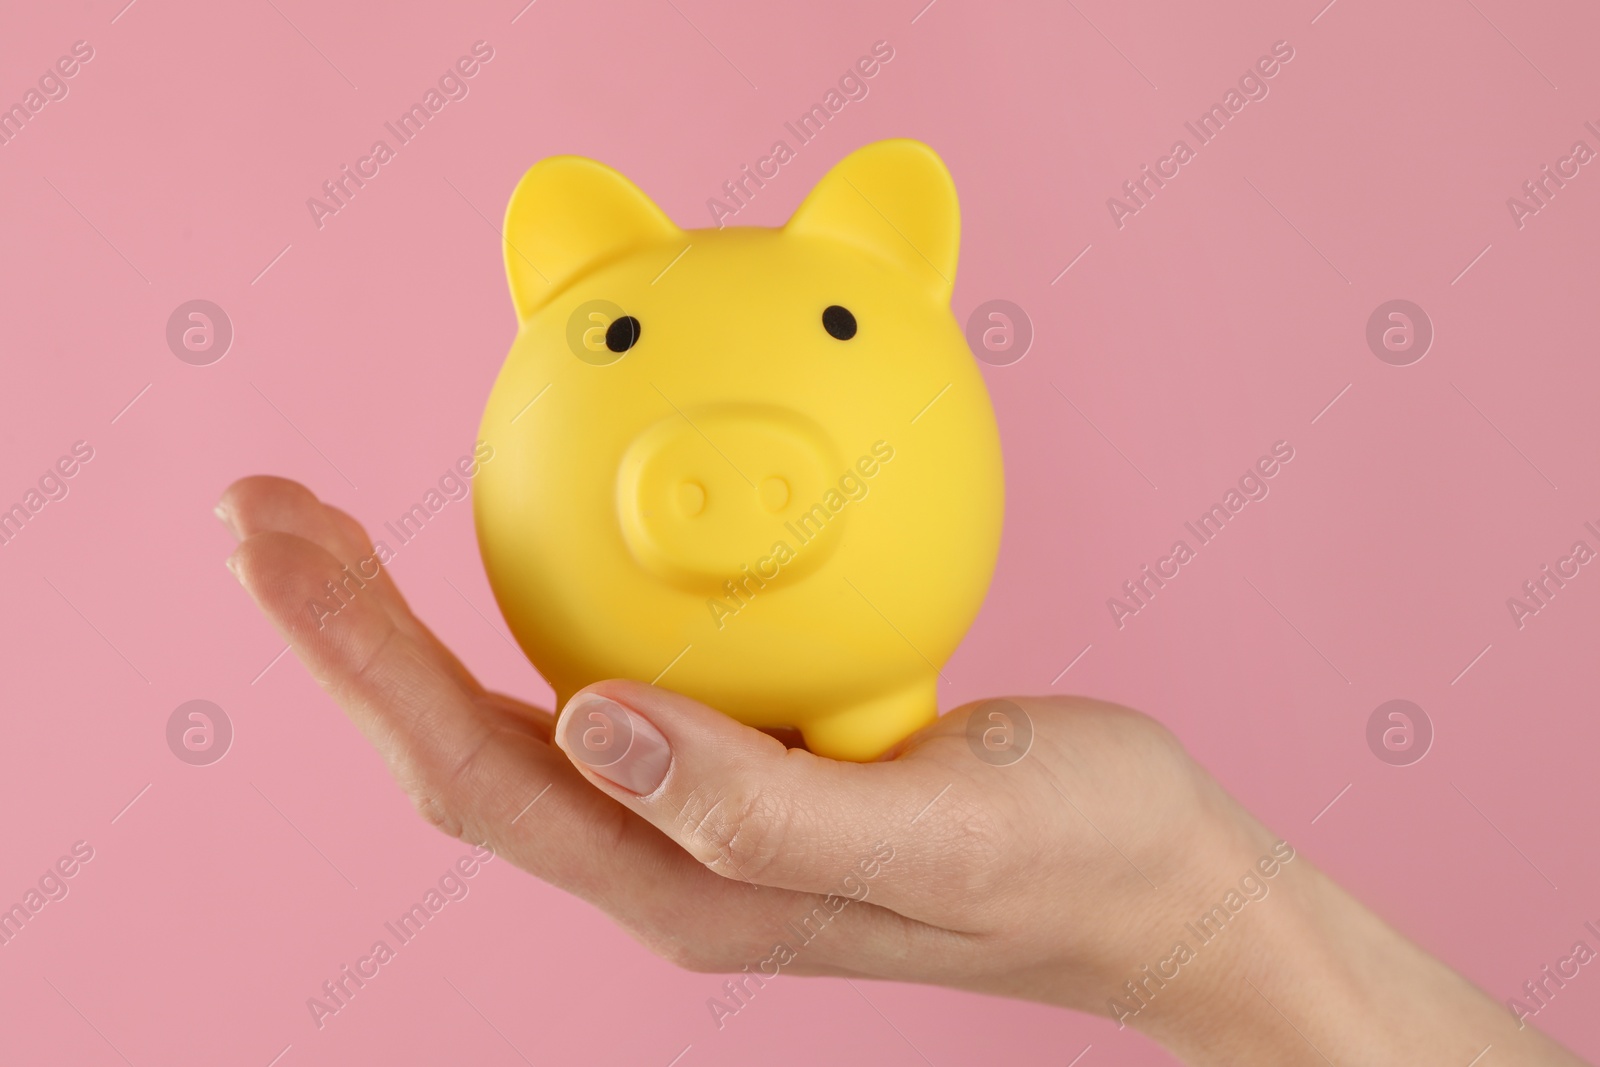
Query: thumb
x=747 y=807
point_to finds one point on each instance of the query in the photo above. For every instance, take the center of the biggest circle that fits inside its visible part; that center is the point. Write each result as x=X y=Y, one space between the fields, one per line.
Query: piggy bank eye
x=623 y=333
x=839 y=322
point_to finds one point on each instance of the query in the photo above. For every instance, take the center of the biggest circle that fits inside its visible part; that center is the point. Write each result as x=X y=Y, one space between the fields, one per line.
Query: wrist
x=1244 y=918
x=1313 y=978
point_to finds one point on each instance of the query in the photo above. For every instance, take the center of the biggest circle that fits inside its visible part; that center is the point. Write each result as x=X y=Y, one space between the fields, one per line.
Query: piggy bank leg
x=864 y=731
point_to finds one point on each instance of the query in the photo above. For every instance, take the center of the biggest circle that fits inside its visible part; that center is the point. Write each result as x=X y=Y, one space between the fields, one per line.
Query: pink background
x=1223 y=317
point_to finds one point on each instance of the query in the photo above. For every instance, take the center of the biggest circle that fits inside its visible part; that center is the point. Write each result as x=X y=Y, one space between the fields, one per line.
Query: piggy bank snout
x=706 y=494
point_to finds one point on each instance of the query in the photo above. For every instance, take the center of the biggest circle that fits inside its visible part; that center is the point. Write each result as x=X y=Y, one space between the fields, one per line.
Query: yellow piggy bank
x=755 y=466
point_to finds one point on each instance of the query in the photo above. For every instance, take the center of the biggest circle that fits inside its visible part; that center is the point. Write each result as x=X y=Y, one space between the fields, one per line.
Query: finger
x=534 y=721
x=755 y=939
x=263 y=502
x=467 y=767
x=414 y=711
x=478 y=769
x=751 y=810
x=260 y=503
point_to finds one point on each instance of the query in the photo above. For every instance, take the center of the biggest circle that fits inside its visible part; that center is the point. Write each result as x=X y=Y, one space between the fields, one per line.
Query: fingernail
x=221 y=512
x=616 y=743
x=233 y=566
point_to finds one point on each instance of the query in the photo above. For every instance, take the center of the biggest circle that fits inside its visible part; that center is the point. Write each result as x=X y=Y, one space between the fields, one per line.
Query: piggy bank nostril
x=691 y=498
x=774 y=493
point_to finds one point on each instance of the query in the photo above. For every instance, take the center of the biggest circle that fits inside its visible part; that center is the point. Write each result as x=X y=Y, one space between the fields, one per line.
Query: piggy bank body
x=755 y=466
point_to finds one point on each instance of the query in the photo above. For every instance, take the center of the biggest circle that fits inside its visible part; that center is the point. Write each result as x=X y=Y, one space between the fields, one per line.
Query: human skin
x=1055 y=878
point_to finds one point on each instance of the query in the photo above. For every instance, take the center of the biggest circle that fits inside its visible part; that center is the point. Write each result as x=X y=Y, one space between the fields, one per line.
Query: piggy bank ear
x=896 y=200
x=567 y=215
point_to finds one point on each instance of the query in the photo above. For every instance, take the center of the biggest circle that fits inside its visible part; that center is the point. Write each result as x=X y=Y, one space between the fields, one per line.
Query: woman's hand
x=1100 y=869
